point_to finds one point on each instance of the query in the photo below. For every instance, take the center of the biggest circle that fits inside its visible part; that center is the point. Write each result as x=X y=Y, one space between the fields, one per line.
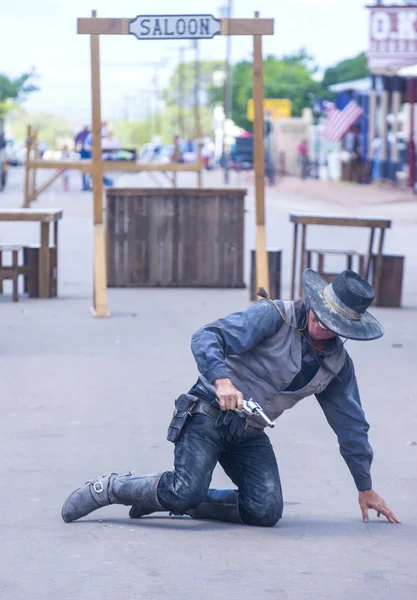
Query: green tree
x=351 y=68
x=14 y=91
x=291 y=76
x=52 y=129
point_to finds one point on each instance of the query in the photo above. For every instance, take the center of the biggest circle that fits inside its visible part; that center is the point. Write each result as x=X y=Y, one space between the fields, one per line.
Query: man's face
x=317 y=330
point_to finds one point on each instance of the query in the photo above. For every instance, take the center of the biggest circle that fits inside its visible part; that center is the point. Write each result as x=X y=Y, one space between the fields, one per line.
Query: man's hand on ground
x=370 y=499
x=229 y=397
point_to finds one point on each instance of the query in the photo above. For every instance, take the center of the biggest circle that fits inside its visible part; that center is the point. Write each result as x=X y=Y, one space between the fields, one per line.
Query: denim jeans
x=250 y=463
x=86 y=181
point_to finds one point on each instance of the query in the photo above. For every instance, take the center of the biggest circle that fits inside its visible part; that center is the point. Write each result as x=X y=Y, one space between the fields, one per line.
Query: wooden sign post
x=174 y=27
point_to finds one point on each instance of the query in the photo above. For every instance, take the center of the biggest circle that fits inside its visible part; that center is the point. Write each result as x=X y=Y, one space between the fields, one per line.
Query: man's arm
x=341 y=404
x=234 y=334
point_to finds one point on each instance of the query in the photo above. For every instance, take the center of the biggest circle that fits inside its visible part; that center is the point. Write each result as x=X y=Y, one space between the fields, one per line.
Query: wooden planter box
x=274 y=264
x=175 y=237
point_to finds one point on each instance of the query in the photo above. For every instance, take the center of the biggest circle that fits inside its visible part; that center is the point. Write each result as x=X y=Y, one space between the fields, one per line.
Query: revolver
x=251 y=407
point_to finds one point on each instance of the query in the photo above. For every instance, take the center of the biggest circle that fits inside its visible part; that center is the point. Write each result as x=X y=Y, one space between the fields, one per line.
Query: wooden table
x=45 y=218
x=373 y=223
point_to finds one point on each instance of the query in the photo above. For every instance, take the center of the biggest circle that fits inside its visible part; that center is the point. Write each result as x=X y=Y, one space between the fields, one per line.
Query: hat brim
x=368 y=328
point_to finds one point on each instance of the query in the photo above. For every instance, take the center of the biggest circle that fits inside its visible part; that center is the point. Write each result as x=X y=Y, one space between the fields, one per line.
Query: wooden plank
x=197 y=193
x=95 y=26
x=131 y=238
x=44 y=262
x=341 y=221
x=143 y=250
x=100 y=275
x=30 y=214
x=247 y=27
x=175 y=242
x=240 y=240
x=110 y=240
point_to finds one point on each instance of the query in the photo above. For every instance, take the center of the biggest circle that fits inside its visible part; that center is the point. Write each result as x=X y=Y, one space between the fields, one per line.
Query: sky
x=42 y=34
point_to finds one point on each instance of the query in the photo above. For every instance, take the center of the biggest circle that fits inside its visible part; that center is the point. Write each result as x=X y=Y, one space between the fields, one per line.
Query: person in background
x=110 y=143
x=65 y=155
x=42 y=148
x=302 y=154
x=376 y=163
x=82 y=145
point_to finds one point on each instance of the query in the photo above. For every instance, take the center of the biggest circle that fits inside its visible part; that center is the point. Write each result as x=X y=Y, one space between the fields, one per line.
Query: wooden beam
x=100 y=273
x=114 y=165
x=94 y=26
x=262 y=268
x=247 y=27
x=44 y=185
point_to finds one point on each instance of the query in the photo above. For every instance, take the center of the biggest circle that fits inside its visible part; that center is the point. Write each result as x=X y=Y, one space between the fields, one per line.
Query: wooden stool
x=349 y=254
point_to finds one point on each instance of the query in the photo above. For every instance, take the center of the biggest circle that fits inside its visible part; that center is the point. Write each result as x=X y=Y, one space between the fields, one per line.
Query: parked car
x=15 y=152
x=242 y=153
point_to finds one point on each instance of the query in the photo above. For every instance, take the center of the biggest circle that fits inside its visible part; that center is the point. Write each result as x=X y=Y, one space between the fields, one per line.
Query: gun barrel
x=253 y=408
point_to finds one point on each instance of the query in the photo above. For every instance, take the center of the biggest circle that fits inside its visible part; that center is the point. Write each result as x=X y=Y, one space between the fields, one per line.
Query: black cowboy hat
x=342 y=305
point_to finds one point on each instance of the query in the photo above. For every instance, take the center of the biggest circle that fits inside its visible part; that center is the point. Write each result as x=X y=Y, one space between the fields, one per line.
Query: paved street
x=81 y=397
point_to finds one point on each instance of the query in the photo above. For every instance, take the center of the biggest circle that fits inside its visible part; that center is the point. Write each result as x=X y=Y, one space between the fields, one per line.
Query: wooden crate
x=391 y=286
x=175 y=237
x=31 y=261
x=274 y=263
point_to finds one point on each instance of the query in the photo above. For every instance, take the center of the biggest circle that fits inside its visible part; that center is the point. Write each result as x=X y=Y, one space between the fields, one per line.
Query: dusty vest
x=265 y=371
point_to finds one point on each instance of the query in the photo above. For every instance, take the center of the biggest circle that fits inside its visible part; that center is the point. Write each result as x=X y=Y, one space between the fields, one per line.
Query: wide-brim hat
x=341 y=306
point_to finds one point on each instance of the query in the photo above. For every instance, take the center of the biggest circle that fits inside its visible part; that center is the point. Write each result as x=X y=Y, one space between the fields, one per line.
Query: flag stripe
x=339 y=122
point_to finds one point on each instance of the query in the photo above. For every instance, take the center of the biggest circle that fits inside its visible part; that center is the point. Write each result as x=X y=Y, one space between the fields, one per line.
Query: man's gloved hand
x=230 y=425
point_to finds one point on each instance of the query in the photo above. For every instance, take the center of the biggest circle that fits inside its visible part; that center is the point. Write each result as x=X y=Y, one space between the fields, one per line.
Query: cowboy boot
x=129 y=489
x=219 y=505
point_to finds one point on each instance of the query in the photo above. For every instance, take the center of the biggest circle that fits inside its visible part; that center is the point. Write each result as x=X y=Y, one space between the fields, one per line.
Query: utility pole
x=227 y=94
x=181 y=92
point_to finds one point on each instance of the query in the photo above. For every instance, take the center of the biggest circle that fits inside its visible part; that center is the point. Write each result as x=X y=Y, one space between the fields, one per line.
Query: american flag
x=338 y=122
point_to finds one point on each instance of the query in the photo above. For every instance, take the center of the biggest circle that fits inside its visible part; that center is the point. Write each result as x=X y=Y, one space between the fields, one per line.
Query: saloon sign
x=392 y=37
x=174 y=27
